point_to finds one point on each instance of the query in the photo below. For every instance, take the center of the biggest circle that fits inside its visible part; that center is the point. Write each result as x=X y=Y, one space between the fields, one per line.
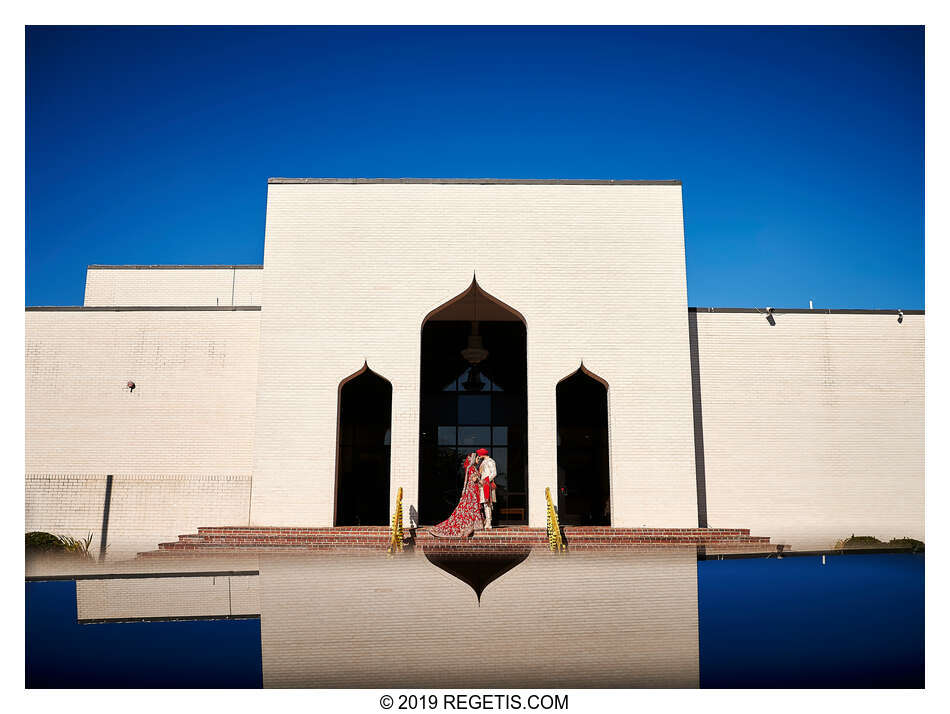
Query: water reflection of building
x=610 y=620
x=307 y=392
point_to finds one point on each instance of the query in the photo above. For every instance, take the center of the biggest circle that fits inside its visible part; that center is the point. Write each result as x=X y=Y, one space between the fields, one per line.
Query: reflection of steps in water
x=498 y=540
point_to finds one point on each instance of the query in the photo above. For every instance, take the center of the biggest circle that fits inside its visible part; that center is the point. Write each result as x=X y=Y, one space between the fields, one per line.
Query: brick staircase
x=244 y=539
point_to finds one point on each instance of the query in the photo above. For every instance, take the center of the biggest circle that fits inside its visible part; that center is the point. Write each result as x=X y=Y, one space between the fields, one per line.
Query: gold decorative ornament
x=554 y=529
x=395 y=535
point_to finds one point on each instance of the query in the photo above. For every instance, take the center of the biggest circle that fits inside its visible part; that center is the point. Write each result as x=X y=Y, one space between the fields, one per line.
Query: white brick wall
x=813 y=428
x=597 y=271
x=587 y=620
x=145 y=509
x=192 y=410
x=132 y=598
x=187 y=285
x=180 y=446
x=157 y=509
x=65 y=504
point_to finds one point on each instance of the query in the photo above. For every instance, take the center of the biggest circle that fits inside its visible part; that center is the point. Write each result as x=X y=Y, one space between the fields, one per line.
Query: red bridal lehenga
x=467 y=516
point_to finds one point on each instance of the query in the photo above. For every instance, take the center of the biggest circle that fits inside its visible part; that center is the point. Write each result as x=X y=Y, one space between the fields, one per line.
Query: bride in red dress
x=467 y=516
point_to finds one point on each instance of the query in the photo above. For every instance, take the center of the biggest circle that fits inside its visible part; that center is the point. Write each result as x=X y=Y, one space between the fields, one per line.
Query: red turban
x=482 y=452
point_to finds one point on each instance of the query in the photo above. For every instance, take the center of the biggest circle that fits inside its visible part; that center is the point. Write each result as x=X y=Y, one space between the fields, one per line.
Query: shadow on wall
x=698 y=422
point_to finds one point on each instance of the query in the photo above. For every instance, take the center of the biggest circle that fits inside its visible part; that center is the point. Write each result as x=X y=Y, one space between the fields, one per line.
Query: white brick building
x=308 y=390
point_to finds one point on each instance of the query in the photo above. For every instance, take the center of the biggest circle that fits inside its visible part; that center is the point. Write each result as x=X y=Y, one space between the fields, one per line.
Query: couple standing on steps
x=474 y=509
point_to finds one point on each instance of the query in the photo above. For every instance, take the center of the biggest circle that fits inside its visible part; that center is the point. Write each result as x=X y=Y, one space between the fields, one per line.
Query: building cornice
x=805 y=311
x=174 y=267
x=252 y=308
x=143 y=308
x=484 y=181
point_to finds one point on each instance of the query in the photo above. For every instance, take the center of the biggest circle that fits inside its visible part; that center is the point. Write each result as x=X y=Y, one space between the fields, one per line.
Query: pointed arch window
x=583 y=464
x=470 y=400
x=364 y=444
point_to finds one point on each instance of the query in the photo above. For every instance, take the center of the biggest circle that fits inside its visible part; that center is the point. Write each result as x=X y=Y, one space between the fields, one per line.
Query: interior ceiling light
x=475 y=352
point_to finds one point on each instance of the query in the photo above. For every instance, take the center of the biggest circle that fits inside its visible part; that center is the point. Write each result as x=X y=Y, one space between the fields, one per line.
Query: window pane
x=446 y=409
x=474 y=409
x=446 y=436
x=474 y=435
x=502 y=412
x=501 y=460
x=446 y=466
x=500 y=436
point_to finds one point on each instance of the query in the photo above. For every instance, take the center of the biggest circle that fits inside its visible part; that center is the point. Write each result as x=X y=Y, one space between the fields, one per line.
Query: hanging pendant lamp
x=475 y=352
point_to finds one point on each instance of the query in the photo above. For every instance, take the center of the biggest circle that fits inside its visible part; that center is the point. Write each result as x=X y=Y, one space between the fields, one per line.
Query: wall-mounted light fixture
x=900 y=316
x=130 y=385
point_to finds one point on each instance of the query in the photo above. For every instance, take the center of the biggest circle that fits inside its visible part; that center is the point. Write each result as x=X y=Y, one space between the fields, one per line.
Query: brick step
x=477 y=537
x=247 y=539
x=270 y=530
x=763 y=542
x=236 y=539
x=463 y=545
x=280 y=529
x=684 y=538
x=320 y=537
x=595 y=530
x=235 y=543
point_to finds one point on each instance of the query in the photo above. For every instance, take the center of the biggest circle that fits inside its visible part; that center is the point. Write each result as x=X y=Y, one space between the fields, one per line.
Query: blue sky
x=801 y=150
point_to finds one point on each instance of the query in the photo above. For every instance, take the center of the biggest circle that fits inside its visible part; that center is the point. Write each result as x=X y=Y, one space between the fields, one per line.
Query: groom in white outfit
x=486 y=488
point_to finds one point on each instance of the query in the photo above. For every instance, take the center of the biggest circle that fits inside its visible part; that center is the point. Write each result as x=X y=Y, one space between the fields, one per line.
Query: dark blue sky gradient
x=801 y=150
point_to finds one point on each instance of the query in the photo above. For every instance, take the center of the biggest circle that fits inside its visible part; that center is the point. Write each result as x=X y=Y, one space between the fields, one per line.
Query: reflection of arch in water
x=583 y=467
x=464 y=408
x=477 y=571
x=364 y=429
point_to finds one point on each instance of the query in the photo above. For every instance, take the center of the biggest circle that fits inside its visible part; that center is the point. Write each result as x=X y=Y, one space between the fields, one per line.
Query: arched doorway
x=583 y=471
x=363 y=458
x=472 y=401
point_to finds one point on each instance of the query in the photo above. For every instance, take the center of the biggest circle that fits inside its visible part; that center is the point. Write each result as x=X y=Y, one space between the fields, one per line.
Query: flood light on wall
x=130 y=385
x=900 y=316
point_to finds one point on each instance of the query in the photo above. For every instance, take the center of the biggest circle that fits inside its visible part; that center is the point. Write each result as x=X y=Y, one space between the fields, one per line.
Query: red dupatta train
x=467 y=516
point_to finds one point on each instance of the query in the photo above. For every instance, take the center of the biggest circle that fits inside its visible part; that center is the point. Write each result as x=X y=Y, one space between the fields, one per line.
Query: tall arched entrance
x=473 y=395
x=363 y=458
x=583 y=470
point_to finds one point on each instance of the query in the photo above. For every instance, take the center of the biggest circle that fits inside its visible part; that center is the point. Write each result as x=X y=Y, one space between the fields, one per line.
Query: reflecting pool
x=855 y=621
x=61 y=652
x=580 y=620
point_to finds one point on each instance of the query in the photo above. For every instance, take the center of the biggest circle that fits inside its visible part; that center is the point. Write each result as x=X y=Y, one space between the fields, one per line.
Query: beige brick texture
x=591 y=620
x=187 y=285
x=813 y=428
x=65 y=504
x=128 y=599
x=192 y=409
x=180 y=446
x=598 y=272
